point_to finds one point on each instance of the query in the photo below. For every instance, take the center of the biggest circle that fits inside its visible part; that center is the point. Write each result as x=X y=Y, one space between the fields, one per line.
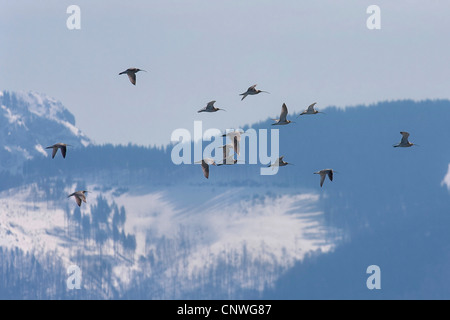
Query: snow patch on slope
x=446 y=180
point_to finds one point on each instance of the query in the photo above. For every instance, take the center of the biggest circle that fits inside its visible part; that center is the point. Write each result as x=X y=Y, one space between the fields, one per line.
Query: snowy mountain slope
x=268 y=233
x=29 y=122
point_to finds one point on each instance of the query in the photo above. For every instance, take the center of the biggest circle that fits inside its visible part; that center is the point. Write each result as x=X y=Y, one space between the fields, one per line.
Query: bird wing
x=55 y=150
x=132 y=77
x=405 y=137
x=252 y=88
x=78 y=200
x=330 y=175
x=205 y=168
x=284 y=112
x=63 y=151
x=226 y=151
x=210 y=105
x=236 y=144
x=311 y=107
x=322 y=179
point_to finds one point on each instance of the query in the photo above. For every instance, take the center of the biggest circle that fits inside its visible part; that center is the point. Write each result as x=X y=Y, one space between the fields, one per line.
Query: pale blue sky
x=197 y=51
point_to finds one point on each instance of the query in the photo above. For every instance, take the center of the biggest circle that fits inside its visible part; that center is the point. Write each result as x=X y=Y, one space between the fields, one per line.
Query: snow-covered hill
x=29 y=122
x=250 y=237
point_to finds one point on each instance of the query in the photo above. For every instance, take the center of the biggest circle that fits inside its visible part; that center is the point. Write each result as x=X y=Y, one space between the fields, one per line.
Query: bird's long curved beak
x=143 y=70
x=265 y=91
x=222 y=110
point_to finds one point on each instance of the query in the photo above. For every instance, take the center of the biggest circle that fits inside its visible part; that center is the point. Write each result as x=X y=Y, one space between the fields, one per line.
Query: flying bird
x=404 y=143
x=210 y=107
x=283 y=115
x=235 y=137
x=57 y=146
x=323 y=173
x=205 y=166
x=79 y=196
x=310 y=110
x=279 y=163
x=228 y=158
x=251 y=91
x=131 y=72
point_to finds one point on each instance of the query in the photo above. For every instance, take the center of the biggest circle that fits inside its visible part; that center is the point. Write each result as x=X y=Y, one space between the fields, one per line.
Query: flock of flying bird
x=228 y=157
x=236 y=136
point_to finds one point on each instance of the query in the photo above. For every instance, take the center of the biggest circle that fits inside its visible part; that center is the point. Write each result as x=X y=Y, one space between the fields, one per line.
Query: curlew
x=279 y=163
x=205 y=166
x=310 y=110
x=404 y=143
x=323 y=173
x=80 y=196
x=131 y=73
x=228 y=158
x=210 y=107
x=283 y=115
x=57 y=146
x=251 y=91
x=235 y=137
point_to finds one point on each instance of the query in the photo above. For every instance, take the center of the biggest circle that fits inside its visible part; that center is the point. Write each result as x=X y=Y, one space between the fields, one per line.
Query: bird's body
x=80 y=196
x=251 y=91
x=131 y=73
x=310 y=110
x=283 y=115
x=323 y=173
x=57 y=146
x=205 y=166
x=210 y=107
x=404 y=143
